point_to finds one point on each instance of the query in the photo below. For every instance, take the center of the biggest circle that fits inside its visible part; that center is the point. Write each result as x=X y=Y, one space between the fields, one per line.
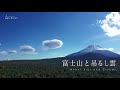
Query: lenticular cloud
x=52 y=44
x=27 y=49
x=12 y=51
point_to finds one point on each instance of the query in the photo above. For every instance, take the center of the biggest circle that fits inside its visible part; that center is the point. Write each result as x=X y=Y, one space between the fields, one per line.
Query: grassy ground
x=52 y=69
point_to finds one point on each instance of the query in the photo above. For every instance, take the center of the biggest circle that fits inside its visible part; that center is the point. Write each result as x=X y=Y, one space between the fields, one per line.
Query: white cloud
x=27 y=49
x=92 y=25
x=3 y=53
x=12 y=51
x=29 y=53
x=60 y=56
x=8 y=52
x=118 y=52
x=52 y=44
x=110 y=49
x=111 y=24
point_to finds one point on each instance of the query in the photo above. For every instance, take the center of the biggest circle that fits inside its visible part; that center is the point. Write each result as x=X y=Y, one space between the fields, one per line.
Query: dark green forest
x=51 y=68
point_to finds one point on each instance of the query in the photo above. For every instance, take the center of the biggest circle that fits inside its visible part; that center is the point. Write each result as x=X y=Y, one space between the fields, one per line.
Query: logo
x=10 y=17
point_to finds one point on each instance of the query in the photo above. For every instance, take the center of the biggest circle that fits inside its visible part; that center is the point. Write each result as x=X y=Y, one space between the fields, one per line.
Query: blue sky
x=37 y=35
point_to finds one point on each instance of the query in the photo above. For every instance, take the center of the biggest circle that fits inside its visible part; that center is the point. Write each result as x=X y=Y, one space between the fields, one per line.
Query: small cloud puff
x=8 y=52
x=52 y=44
x=12 y=51
x=27 y=49
x=3 y=53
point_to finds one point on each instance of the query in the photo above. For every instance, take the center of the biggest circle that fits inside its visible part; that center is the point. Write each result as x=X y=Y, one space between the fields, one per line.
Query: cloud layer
x=52 y=44
x=118 y=52
x=110 y=49
x=27 y=49
x=111 y=24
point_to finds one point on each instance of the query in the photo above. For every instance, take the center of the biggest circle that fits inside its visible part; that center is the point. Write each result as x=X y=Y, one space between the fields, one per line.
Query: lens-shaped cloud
x=3 y=53
x=52 y=44
x=8 y=52
x=12 y=51
x=27 y=49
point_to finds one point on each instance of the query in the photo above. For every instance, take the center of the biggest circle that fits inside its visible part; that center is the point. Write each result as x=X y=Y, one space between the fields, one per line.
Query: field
x=52 y=68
